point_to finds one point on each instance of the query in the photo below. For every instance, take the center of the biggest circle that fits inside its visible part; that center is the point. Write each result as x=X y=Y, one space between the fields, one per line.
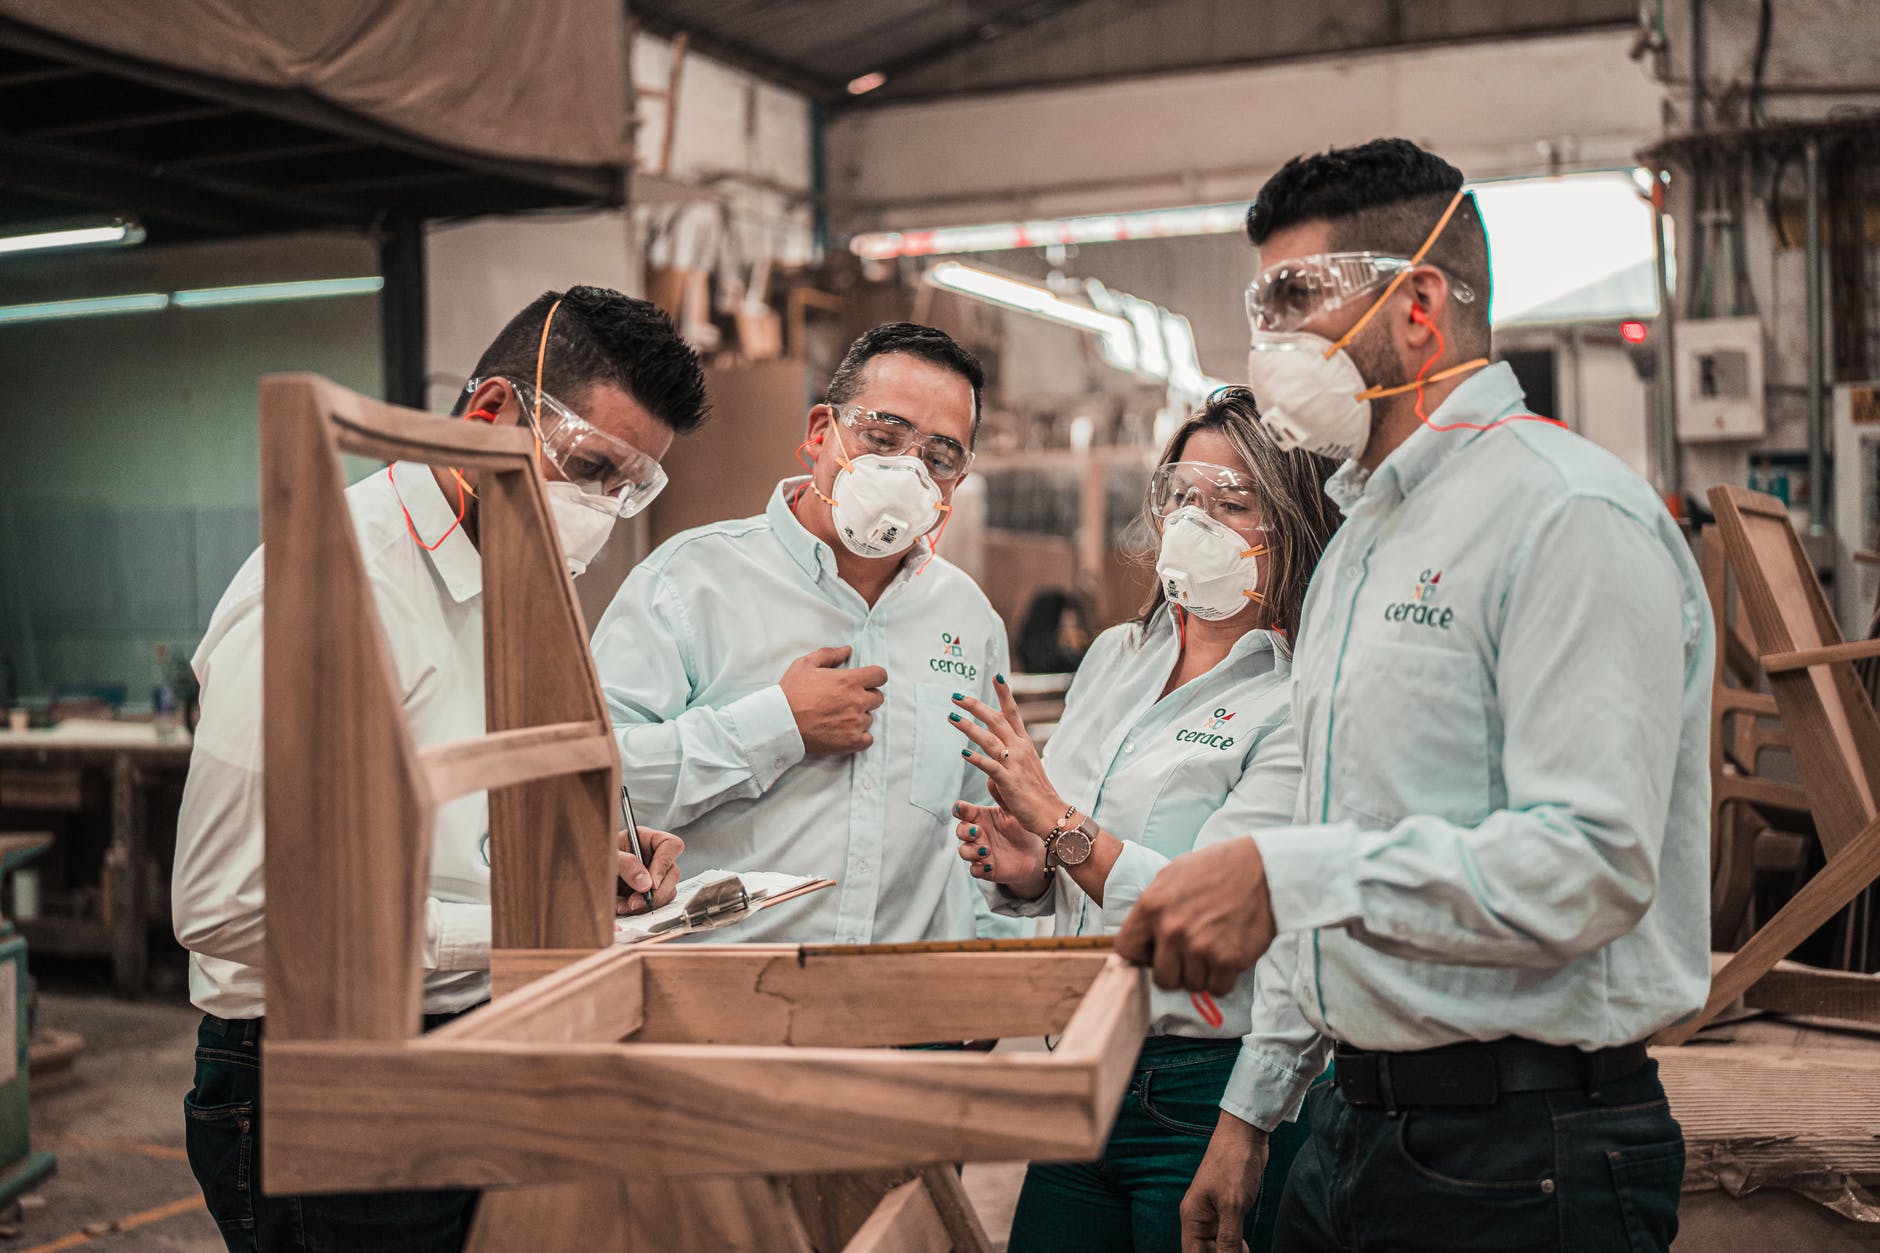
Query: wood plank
x=948 y=1193
x=511 y=969
x=766 y=994
x=438 y=1113
x=596 y=1000
x=348 y=814
x=905 y=1222
x=1795 y=989
x=460 y=767
x=1801 y=659
x=1107 y=1031
x=590 y=1215
x=711 y=1216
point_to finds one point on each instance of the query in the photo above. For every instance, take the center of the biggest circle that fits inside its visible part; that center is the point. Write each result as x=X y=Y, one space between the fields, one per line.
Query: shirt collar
x=1161 y=634
x=456 y=560
x=815 y=556
x=1490 y=393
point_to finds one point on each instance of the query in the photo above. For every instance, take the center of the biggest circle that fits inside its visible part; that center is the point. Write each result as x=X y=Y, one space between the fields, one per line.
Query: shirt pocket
x=1412 y=735
x=939 y=776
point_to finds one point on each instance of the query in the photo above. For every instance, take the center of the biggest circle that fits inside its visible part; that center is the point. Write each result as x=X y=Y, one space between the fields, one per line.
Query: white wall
x=1515 y=107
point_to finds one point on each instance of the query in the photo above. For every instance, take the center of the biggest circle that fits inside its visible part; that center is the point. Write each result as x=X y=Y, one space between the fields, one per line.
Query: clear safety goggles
x=594 y=461
x=1226 y=495
x=1287 y=296
x=886 y=435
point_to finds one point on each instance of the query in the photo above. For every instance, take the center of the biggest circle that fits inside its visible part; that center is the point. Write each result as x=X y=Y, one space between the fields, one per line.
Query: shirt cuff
x=1134 y=867
x=766 y=731
x=1266 y=1089
x=1311 y=875
x=458 y=935
x=1004 y=902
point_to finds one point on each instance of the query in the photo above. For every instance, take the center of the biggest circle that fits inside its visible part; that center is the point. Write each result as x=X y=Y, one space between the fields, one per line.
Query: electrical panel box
x=1855 y=424
x=1720 y=379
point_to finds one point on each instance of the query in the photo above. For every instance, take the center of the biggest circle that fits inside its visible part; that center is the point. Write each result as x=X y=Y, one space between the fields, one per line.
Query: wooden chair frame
x=1829 y=719
x=610 y=1097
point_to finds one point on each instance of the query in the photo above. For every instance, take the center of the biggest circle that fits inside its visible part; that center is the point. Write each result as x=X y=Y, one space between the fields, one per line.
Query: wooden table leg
x=129 y=945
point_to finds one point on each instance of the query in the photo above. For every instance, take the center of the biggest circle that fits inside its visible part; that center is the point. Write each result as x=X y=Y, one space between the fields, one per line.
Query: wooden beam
x=594 y=1001
x=475 y=1114
x=1100 y=1034
x=460 y=767
x=905 y=1222
x=772 y=995
x=512 y=969
x=1803 y=658
x=1795 y=989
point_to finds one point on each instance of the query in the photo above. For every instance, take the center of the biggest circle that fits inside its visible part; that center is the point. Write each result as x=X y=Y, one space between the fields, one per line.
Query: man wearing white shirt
x=605 y=382
x=781 y=684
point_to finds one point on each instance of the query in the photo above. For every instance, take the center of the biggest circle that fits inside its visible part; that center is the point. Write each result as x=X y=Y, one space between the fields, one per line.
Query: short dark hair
x=600 y=336
x=924 y=342
x=1383 y=196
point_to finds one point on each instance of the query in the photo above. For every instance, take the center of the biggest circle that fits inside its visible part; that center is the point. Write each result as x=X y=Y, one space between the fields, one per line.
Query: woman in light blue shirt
x=1176 y=733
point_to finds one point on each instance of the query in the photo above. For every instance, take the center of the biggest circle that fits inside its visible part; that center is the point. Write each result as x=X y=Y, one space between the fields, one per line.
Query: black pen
x=633 y=839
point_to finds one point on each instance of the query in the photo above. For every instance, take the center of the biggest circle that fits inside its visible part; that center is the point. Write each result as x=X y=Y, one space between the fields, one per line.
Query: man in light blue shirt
x=1496 y=889
x=781 y=684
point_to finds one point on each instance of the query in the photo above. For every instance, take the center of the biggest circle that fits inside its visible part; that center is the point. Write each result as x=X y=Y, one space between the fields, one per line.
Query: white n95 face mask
x=1206 y=567
x=1310 y=393
x=582 y=521
x=883 y=504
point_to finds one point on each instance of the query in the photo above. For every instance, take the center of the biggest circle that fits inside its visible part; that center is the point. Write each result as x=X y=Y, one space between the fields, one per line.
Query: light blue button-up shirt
x=1211 y=761
x=690 y=654
x=1503 y=696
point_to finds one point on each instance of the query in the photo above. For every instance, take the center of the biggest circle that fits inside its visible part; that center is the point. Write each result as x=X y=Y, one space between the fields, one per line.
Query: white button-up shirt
x=1213 y=760
x=1503 y=695
x=432 y=609
x=690 y=654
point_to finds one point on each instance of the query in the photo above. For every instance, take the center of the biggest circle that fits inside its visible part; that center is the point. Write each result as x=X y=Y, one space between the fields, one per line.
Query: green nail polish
x=955 y=717
x=999 y=679
x=982 y=851
x=973 y=831
x=957 y=696
x=966 y=752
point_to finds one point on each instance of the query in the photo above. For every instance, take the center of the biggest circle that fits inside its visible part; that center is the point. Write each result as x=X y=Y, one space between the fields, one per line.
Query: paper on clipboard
x=764 y=888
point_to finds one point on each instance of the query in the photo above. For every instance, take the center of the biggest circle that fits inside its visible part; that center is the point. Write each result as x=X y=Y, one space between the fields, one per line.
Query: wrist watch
x=1070 y=846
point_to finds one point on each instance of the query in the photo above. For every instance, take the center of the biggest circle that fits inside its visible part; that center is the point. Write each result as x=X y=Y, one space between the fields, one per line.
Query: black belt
x=1476 y=1074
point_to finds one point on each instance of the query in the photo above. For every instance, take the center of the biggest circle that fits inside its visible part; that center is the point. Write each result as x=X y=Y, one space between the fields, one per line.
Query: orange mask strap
x=842 y=459
x=933 y=545
x=1249 y=593
x=464 y=494
x=1396 y=281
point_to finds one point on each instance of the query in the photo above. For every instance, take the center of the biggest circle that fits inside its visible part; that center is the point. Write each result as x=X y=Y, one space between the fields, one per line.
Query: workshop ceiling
x=925 y=48
x=86 y=133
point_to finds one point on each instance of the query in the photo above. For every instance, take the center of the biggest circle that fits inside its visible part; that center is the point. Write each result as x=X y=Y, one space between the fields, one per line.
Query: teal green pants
x=1129 y=1200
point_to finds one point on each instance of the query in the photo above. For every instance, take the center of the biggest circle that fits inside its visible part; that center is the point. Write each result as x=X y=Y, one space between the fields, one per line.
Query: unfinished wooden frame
x=1827 y=717
x=687 y=1084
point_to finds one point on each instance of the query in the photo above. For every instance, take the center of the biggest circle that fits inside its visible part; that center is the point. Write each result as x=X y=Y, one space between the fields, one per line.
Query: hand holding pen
x=647 y=864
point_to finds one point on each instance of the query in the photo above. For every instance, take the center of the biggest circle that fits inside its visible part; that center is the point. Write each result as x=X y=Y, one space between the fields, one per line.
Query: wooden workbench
x=131 y=756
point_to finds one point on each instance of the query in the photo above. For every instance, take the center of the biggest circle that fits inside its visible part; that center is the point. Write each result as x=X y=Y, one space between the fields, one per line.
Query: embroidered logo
x=952 y=658
x=1211 y=732
x=1420 y=609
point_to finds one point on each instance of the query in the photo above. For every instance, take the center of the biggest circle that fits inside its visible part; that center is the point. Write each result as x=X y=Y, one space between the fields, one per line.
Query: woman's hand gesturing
x=1000 y=850
x=1009 y=759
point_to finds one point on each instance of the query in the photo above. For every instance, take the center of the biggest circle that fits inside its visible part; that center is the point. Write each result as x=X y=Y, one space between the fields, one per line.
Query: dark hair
x=924 y=342
x=1384 y=196
x=1300 y=517
x=600 y=336
x=1040 y=649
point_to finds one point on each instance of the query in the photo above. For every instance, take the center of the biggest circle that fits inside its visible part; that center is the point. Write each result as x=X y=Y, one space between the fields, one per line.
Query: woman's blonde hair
x=1300 y=518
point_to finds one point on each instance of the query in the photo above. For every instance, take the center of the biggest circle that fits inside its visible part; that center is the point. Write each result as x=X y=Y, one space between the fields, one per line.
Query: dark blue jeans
x=1129 y=1200
x=223 y=1133
x=1566 y=1171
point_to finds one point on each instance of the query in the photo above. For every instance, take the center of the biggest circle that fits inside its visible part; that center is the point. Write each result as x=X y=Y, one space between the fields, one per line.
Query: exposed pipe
x=1817 y=394
x=1670 y=481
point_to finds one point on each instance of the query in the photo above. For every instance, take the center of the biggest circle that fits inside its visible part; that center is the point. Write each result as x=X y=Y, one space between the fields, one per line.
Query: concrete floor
x=118 y=1134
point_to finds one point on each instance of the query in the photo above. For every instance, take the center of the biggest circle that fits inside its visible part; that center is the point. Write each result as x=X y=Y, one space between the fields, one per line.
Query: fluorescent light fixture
x=862 y=85
x=1013 y=293
x=1206 y=219
x=103 y=235
x=262 y=293
x=97 y=306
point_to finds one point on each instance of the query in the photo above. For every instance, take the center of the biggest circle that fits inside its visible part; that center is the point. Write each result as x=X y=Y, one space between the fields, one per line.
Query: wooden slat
x=1796 y=989
x=1106 y=1032
x=459 y=767
x=1801 y=659
x=348 y=814
x=511 y=969
x=590 y=1215
x=905 y=1222
x=1764 y=792
x=597 y=1000
x=774 y=995
x=439 y=1113
x=366 y=427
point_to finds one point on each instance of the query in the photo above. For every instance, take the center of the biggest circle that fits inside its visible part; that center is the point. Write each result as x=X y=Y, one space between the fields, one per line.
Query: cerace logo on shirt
x=1421 y=609
x=952 y=658
x=1212 y=732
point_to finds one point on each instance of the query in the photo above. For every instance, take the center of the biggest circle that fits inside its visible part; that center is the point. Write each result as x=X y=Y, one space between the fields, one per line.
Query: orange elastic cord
x=1421 y=381
x=1249 y=593
x=464 y=492
x=541 y=356
x=1429 y=241
x=933 y=545
x=1205 y=1006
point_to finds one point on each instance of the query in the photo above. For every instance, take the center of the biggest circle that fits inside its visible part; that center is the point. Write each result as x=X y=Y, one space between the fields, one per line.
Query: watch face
x=1073 y=847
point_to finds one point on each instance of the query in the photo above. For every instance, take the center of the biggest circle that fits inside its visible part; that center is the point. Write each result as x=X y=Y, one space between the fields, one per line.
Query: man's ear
x=496 y=396
x=820 y=416
x=1428 y=292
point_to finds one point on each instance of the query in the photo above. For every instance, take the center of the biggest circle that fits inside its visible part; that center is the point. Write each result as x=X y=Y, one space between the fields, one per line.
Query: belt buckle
x=1477 y=1081
x=1357 y=1079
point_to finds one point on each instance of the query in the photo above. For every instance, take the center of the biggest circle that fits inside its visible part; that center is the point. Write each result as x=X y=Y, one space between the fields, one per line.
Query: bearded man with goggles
x=781 y=684
x=1495 y=888
x=605 y=382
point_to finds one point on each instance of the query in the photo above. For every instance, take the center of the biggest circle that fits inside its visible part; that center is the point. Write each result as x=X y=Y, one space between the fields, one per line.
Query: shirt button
x=1351 y=571
x=1129 y=748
